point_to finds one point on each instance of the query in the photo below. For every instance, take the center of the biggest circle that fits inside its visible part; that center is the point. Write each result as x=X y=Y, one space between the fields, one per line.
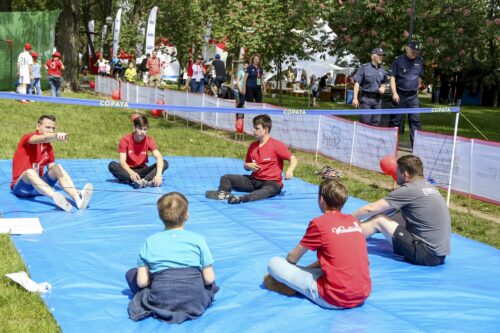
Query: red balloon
x=156 y=113
x=92 y=85
x=389 y=166
x=115 y=94
x=134 y=117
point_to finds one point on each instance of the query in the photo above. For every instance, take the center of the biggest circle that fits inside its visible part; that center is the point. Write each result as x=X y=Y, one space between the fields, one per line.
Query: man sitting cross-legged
x=33 y=153
x=265 y=159
x=133 y=149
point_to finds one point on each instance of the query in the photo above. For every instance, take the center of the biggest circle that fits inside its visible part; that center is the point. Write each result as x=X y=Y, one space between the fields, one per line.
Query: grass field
x=94 y=133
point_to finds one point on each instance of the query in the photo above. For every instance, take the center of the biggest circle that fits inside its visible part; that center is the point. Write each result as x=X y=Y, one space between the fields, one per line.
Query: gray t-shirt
x=427 y=217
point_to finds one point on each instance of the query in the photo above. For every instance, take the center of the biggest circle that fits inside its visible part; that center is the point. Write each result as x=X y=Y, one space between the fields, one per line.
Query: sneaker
x=234 y=199
x=141 y=183
x=61 y=202
x=328 y=172
x=274 y=285
x=84 y=196
x=217 y=195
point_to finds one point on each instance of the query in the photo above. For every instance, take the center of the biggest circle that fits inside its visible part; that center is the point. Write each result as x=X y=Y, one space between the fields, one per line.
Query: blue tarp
x=85 y=254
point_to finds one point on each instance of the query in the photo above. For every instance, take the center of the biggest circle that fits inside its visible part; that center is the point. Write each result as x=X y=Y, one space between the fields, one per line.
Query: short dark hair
x=172 y=209
x=264 y=120
x=334 y=193
x=46 y=116
x=412 y=165
x=141 y=121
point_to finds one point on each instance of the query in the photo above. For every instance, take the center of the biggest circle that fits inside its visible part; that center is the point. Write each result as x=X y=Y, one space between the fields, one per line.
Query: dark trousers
x=147 y=173
x=219 y=80
x=407 y=101
x=254 y=94
x=259 y=189
x=370 y=103
x=131 y=277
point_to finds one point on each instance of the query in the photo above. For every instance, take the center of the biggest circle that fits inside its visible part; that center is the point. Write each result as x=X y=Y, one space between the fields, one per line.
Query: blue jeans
x=55 y=86
x=299 y=278
x=198 y=87
x=35 y=87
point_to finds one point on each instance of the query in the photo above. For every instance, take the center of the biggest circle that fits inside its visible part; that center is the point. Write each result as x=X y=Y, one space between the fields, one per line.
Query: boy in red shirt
x=33 y=153
x=340 y=278
x=265 y=159
x=133 y=149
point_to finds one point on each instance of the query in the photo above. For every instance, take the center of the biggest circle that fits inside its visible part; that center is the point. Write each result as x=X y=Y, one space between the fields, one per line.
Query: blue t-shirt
x=370 y=77
x=36 y=70
x=174 y=249
x=407 y=73
x=254 y=73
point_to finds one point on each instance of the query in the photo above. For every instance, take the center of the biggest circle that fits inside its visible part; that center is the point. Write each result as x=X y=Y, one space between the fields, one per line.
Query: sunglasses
x=199 y=58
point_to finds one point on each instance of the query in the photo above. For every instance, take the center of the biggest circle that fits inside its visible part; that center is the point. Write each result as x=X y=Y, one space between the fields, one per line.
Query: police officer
x=406 y=73
x=371 y=77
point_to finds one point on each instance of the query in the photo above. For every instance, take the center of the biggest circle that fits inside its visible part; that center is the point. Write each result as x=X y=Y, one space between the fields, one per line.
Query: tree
x=68 y=34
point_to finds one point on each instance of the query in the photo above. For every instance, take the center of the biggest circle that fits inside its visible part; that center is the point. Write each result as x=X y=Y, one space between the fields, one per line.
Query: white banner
x=476 y=168
x=91 y=31
x=116 y=32
x=103 y=37
x=150 y=31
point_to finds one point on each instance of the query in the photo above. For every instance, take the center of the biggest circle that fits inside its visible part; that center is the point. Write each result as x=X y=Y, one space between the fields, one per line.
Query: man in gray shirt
x=421 y=230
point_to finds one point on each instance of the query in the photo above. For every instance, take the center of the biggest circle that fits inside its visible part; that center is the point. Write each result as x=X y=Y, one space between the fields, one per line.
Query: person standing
x=220 y=71
x=253 y=86
x=54 y=67
x=153 y=66
x=24 y=70
x=371 y=78
x=406 y=76
x=35 y=87
x=196 y=76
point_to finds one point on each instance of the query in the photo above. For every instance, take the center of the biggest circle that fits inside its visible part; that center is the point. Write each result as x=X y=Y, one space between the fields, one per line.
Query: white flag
x=116 y=32
x=103 y=37
x=91 y=31
x=150 y=32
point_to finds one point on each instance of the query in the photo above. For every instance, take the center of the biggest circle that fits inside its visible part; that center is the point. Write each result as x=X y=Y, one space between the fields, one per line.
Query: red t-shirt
x=28 y=156
x=137 y=152
x=343 y=257
x=270 y=159
x=153 y=66
x=54 y=67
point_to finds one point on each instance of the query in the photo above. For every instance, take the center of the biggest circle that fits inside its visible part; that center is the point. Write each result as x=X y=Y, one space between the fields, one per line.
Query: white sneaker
x=61 y=202
x=84 y=196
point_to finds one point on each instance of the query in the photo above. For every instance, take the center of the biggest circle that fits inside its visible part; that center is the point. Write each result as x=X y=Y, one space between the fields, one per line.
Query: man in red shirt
x=153 y=66
x=33 y=153
x=265 y=159
x=340 y=278
x=133 y=149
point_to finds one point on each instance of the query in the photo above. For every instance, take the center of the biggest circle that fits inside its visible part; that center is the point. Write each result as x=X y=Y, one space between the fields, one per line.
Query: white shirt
x=197 y=72
x=24 y=61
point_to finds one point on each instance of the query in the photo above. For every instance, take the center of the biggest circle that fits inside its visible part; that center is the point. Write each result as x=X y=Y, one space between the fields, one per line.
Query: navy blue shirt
x=407 y=73
x=253 y=74
x=370 y=77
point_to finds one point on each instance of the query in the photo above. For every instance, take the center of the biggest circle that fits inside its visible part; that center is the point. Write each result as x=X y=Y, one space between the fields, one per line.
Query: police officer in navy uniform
x=371 y=78
x=406 y=73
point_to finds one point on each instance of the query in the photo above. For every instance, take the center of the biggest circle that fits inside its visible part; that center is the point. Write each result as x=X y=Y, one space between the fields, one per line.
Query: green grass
x=94 y=133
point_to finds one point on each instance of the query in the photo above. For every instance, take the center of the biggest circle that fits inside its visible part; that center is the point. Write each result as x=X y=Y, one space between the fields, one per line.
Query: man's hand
x=61 y=136
x=395 y=98
x=252 y=166
x=289 y=174
x=355 y=102
x=157 y=181
x=134 y=176
x=381 y=90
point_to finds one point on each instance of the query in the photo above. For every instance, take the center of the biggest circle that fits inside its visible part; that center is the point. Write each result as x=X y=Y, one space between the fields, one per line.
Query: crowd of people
x=413 y=218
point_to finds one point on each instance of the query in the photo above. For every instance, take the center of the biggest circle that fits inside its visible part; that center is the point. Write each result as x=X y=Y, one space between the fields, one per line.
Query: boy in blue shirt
x=175 y=280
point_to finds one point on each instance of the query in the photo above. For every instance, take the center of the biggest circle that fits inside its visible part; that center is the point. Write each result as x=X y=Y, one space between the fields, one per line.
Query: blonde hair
x=333 y=193
x=172 y=209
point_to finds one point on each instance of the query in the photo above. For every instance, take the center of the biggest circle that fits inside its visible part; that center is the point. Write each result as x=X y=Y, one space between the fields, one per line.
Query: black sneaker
x=217 y=195
x=233 y=199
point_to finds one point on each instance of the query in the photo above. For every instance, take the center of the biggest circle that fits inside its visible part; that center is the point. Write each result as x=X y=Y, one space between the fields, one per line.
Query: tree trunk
x=67 y=43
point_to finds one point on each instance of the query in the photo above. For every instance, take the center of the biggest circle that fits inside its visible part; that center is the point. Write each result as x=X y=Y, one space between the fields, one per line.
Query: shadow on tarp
x=85 y=254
